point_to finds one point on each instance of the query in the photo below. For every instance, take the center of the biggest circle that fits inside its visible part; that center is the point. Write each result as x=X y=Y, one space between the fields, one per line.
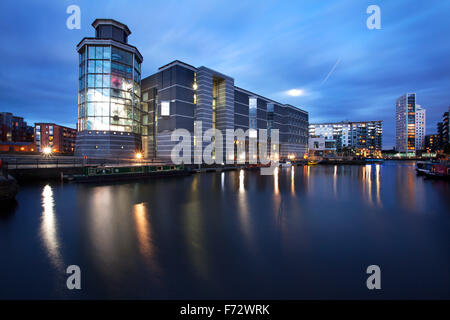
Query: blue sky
x=268 y=47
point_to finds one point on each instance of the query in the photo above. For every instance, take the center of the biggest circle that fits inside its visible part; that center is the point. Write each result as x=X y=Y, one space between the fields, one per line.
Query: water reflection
x=335 y=181
x=195 y=238
x=124 y=233
x=371 y=184
x=275 y=181
x=367 y=171
x=49 y=233
x=293 y=180
x=222 y=180
x=241 y=181
x=377 y=182
x=144 y=235
x=243 y=207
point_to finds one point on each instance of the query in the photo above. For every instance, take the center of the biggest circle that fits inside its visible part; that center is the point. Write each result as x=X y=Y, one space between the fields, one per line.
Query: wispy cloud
x=269 y=47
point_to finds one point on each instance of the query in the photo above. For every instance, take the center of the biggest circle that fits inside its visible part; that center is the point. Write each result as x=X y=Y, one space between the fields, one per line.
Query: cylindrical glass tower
x=109 y=97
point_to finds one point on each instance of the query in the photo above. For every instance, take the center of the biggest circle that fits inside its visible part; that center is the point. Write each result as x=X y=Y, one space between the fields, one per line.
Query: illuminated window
x=165 y=108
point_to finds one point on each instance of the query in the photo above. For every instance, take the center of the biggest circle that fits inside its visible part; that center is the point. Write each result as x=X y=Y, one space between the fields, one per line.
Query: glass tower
x=111 y=118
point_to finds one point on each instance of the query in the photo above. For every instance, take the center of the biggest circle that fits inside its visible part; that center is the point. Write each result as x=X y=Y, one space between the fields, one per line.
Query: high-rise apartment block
x=405 y=124
x=421 y=127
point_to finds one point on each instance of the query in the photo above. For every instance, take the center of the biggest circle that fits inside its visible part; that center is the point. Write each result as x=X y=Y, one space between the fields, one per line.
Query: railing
x=68 y=162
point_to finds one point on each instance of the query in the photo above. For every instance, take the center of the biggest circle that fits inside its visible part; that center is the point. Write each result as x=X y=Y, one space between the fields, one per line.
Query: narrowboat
x=105 y=173
x=439 y=171
x=373 y=160
x=422 y=167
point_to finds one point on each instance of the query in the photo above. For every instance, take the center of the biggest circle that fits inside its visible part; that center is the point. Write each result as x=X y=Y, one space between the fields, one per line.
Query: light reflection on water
x=49 y=230
x=216 y=235
x=144 y=236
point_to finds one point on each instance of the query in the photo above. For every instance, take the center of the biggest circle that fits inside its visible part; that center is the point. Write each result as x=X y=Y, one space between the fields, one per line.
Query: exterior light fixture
x=47 y=151
x=138 y=155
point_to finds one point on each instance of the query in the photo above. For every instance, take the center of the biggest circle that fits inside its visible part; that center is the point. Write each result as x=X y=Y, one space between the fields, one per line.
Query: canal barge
x=439 y=171
x=106 y=173
x=422 y=167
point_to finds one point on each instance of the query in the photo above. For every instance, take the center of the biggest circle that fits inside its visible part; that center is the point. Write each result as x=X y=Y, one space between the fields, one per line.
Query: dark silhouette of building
x=14 y=129
x=432 y=143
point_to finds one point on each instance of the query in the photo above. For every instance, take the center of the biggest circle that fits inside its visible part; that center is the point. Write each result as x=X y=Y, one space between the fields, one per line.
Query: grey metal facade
x=202 y=94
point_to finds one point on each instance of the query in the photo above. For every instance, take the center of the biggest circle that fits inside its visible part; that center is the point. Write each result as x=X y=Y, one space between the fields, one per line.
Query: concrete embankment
x=31 y=174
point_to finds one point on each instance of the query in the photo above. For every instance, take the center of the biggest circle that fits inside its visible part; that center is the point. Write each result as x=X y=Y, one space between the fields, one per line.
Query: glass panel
x=90 y=123
x=90 y=94
x=90 y=109
x=91 y=66
x=98 y=109
x=91 y=80
x=106 y=81
x=98 y=95
x=117 y=82
x=137 y=89
x=107 y=53
x=99 y=66
x=99 y=53
x=98 y=80
x=91 y=52
x=106 y=66
x=121 y=56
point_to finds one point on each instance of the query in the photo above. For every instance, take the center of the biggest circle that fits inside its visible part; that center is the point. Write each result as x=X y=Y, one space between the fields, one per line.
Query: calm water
x=308 y=232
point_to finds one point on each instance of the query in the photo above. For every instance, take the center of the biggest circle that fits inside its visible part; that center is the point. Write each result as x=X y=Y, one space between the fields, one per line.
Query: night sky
x=340 y=69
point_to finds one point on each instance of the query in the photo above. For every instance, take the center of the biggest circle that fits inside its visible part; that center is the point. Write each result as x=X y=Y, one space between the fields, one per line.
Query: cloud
x=321 y=48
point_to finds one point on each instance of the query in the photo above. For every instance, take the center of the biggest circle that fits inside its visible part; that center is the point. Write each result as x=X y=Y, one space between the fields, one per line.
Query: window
x=165 y=108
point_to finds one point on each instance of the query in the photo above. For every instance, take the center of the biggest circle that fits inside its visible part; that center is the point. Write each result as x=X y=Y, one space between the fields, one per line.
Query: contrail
x=331 y=71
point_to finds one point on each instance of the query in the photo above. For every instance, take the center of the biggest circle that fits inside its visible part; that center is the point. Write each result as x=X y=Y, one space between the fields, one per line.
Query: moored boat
x=285 y=164
x=422 y=167
x=374 y=160
x=439 y=171
x=100 y=174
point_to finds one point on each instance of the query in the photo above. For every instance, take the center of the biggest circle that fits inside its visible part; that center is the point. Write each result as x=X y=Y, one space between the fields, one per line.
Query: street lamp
x=47 y=151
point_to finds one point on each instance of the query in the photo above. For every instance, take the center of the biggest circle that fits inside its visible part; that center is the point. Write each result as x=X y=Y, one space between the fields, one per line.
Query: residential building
x=110 y=115
x=58 y=138
x=341 y=132
x=320 y=146
x=363 y=137
x=14 y=129
x=405 y=128
x=432 y=143
x=445 y=130
x=421 y=127
x=179 y=95
x=440 y=133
